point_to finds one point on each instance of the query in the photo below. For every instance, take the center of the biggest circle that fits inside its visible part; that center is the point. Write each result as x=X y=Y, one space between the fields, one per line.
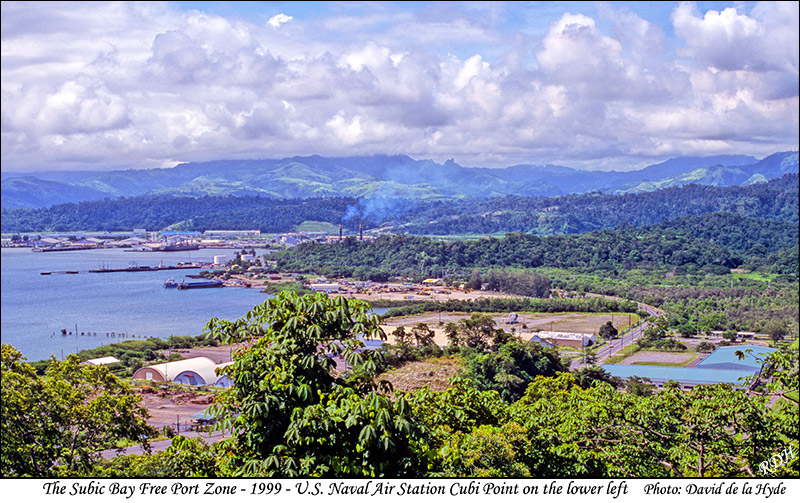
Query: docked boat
x=214 y=283
x=180 y=247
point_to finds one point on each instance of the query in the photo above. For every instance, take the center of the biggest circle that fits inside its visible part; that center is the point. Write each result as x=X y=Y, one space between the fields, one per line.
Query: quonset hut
x=168 y=372
x=205 y=376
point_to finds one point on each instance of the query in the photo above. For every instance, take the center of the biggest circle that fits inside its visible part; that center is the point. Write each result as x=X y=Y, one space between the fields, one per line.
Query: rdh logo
x=777 y=460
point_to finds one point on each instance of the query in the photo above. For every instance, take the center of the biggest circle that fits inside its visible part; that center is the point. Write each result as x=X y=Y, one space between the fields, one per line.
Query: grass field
x=755 y=276
x=434 y=372
x=577 y=322
x=560 y=322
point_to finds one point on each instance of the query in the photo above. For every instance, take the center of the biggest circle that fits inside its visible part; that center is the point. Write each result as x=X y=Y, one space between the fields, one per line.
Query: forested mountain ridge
x=710 y=242
x=378 y=176
x=572 y=214
x=775 y=200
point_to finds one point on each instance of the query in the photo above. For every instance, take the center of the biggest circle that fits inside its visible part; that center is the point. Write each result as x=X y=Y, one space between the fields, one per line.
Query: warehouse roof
x=683 y=375
x=725 y=358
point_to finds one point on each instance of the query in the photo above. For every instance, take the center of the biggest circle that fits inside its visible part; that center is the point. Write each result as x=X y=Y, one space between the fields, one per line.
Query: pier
x=65 y=332
x=132 y=268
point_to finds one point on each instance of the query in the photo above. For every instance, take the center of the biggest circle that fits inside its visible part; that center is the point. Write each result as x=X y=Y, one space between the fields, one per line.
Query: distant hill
x=776 y=200
x=32 y=192
x=379 y=176
x=719 y=175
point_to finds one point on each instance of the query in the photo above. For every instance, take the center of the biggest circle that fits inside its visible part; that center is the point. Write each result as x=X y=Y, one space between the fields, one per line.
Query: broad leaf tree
x=55 y=425
x=598 y=432
x=291 y=409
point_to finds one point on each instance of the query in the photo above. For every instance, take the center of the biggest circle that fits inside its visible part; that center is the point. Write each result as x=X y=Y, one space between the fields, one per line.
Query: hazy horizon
x=11 y=173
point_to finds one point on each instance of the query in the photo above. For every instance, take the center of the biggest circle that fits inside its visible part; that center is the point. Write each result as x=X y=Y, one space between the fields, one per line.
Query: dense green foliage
x=776 y=200
x=512 y=366
x=599 y=432
x=514 y=414
x=697 y=302
x=579 y=213
x=180 y=213
x=285 y=397
x=54 y=425
x=676 y=244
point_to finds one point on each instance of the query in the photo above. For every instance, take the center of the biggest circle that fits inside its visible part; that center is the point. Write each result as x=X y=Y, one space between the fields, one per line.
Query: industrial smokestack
x=340 y=232
x=360 y=232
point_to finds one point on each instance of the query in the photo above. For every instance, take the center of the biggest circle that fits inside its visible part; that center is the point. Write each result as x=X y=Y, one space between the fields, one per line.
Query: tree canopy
x=55 y=425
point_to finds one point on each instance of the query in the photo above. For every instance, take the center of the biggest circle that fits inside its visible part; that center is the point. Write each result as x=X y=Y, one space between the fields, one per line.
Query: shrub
x=705 y=347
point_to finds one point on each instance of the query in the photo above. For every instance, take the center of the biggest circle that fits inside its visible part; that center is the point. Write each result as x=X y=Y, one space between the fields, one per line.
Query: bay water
x=36 y=307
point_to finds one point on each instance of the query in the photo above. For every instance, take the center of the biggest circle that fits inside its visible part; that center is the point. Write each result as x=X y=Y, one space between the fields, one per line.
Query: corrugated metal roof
x=172 y=369
x=721 y=366
x=683 y=375
x=725 y=358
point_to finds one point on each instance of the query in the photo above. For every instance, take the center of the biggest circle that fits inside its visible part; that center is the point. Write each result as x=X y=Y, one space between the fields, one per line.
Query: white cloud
x=348 y=133
x=82 y=82
x=278 y=19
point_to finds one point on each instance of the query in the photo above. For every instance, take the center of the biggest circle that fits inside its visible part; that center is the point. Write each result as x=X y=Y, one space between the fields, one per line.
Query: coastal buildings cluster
x=143 y=240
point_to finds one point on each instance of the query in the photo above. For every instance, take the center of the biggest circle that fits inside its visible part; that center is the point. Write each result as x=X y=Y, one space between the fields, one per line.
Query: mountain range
x=380 y=176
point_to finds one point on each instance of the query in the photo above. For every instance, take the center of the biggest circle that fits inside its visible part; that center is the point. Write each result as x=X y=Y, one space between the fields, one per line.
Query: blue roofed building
x=725 y=358
x=721 y=366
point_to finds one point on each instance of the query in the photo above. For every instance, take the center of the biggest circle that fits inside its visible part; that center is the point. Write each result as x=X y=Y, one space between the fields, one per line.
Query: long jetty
x=138 y=268
x=90 y=333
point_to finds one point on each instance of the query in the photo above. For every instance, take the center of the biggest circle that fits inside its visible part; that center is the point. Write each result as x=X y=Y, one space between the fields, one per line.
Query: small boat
x=170 y=283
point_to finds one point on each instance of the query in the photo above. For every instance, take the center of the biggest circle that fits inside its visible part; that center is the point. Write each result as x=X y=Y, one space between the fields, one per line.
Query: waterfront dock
x=132 y=268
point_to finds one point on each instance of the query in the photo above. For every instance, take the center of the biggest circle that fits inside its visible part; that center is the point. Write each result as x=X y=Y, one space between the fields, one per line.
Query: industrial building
x=571 y=339
x=325 y=287
x=200 y=371
x=105 y=360
x=721 y=366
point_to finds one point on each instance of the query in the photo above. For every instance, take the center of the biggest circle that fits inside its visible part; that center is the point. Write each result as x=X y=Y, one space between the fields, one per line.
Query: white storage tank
x=219 y=260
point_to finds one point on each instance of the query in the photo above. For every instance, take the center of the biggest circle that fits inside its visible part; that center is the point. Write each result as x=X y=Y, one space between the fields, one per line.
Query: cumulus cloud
x=82 y=83
x=278 y=19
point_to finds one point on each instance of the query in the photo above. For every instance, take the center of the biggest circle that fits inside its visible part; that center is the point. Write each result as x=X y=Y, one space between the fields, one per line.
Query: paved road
x=617 y=345
x=162 y=445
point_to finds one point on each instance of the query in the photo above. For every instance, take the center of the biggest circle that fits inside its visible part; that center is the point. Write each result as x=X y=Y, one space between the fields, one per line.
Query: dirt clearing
x=560 y=322
x=659 y=357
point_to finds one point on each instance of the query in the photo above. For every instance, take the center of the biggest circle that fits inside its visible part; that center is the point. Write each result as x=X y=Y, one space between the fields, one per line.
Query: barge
x=214 y=283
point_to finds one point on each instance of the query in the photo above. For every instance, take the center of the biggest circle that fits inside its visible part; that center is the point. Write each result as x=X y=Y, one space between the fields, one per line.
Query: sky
x=605 y=85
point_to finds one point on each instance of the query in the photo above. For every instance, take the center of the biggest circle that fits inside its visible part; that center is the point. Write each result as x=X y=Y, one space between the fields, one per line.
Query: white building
x=167 y=372
x=571 y=339
x=325 y=287
x=204 y=376
x=106 y=360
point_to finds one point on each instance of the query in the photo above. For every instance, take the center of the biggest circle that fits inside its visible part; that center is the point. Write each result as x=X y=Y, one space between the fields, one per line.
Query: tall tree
x=608 y=331
x=290 y=413
x=55 y=425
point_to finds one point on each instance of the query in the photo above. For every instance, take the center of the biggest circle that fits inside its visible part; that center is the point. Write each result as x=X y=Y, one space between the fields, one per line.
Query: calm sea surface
x=35 y=307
